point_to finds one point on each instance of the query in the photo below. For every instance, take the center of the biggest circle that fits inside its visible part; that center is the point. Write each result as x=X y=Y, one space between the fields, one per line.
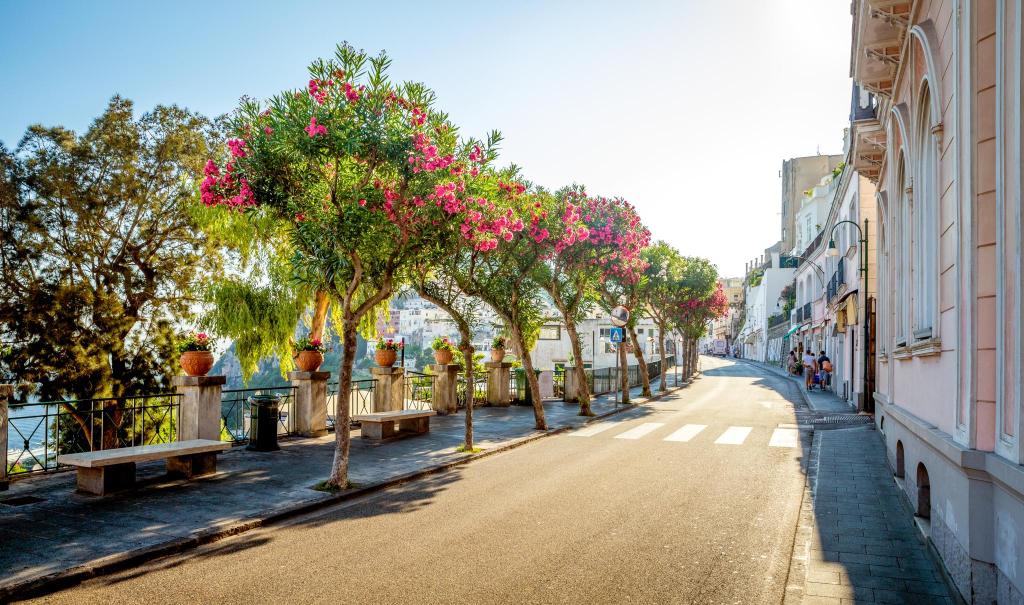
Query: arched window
x=900 y=464
x=883 y=282
x=924 y=255
x=924 y=492
x=900 y=249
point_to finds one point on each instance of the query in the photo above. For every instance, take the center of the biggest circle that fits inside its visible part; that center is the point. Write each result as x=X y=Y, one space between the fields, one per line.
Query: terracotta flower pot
x=443 y=357
x=309 y=361
x=497 y=355
x=196 y=363
x=385 y=357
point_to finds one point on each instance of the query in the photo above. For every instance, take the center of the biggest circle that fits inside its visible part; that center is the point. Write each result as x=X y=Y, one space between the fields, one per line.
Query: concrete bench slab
x=381 y=425
x=106 y=471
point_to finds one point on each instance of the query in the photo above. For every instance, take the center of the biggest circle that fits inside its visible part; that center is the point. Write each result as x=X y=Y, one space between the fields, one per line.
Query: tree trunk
x=342 y=432
x=645 y=378
x=582 y=390
x=623 y=373
x=466 y=346
x=531 y=379
x=320 y=306
x=467 y=356
x=664 y=361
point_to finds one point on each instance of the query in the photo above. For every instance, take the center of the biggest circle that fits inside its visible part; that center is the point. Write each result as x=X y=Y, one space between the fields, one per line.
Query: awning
x=791 y=330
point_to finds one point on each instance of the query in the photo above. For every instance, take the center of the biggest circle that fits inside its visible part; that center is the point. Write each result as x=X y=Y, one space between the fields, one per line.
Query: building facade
x=944 y=149
x=764 y=305
x=798 y=175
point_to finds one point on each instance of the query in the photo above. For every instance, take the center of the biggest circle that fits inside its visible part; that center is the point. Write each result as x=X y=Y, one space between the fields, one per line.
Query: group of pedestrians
x=817 y=371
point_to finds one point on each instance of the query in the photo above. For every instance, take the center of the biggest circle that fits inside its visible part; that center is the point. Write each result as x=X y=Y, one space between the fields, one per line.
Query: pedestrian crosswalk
x=781 y=437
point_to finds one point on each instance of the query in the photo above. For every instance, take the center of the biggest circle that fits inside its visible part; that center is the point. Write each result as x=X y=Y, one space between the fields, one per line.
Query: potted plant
x=443 y=350
x=309 y=354
x=498 y=349
x=387 y=352
x=196 y=358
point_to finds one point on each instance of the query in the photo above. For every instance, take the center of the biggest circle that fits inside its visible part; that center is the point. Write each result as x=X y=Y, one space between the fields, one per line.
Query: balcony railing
x=837 y=280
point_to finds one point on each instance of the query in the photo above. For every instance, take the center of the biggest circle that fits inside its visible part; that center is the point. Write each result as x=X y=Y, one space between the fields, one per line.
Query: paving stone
x=850 y=557
x=930 y=588
x=824 y=577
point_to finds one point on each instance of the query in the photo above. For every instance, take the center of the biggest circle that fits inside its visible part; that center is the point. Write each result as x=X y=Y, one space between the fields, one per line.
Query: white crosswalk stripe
x=596 y=428
x=687 y=432
x=640 y=431
x=784 y=437
x=734 y=435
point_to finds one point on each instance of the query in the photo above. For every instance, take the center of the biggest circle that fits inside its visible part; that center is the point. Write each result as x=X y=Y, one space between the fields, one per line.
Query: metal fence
x=360 y=400
x=479 y=391
x=236 y=413
x=38 y=433
x=558 y=383
x=418 y=391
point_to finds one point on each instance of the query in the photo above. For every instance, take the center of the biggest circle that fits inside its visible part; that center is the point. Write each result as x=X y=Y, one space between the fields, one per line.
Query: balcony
x=837 y=281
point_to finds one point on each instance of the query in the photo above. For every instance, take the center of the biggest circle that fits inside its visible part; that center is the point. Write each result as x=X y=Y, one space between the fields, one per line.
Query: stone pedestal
x=569 y=387
x=6 y=390
x=446 y=378
x=199 y=417
x=499 y=374
x=310 y=407
x=389 y=391
x=546 y=382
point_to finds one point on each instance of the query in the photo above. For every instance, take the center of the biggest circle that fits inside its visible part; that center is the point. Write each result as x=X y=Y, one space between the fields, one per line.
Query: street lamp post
x=833 y=251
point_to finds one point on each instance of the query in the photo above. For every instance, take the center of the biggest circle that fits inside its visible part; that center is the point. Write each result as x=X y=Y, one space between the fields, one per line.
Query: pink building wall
x=949 y=401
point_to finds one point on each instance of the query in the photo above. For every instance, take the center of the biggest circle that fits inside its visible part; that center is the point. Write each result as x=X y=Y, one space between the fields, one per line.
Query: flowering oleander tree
x=591 y=239
x=446 y=275
x=702 y=299
x=501 y=278
x=360 y=167
x=623 y=277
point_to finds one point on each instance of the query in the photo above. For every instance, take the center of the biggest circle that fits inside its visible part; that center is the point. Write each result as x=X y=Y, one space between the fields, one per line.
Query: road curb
x=796 y=576
x=66 y=578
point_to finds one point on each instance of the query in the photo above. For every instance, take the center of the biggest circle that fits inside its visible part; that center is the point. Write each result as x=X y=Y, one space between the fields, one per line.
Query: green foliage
x=441 y=343
x=260 y=318
x=192 y=341
x=100 y=254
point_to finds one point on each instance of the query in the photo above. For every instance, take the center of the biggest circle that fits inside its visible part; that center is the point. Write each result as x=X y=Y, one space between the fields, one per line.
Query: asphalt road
x=614 y=513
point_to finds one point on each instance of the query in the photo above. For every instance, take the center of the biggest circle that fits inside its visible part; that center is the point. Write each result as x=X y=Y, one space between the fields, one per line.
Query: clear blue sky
x=686 y=108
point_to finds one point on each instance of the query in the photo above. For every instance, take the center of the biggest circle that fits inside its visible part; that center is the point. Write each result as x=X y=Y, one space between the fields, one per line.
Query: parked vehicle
x=719 y=347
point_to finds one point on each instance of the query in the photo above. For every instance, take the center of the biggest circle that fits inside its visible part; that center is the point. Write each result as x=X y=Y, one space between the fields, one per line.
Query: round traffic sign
x=620 y=316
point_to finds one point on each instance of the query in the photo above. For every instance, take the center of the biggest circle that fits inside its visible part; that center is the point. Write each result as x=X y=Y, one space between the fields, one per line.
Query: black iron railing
x=558 y=383
x=479 y=391
x=360 y=400
x=418 y=391
x=38 y=433
x=236 y=413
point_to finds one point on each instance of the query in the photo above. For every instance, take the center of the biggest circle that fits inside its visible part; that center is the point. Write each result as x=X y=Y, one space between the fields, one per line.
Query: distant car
x=719 y=347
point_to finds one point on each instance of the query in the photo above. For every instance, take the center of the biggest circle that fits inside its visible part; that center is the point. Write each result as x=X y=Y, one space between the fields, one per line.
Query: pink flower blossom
x=315 y=129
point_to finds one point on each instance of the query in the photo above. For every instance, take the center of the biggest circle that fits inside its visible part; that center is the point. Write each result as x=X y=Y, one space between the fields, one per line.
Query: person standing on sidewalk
x=810 y=367
x=824 y=370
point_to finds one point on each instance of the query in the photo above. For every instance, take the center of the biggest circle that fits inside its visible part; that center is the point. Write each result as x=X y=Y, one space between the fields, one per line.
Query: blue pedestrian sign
x=618 y=334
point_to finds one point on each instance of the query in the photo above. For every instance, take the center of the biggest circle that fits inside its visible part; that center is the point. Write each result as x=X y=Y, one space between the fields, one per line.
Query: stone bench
x=381 y=425
x=107 y=471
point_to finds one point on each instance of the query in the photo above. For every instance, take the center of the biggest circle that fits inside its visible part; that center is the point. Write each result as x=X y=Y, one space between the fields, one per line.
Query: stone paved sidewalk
x=63 y=529
x=861 y=544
